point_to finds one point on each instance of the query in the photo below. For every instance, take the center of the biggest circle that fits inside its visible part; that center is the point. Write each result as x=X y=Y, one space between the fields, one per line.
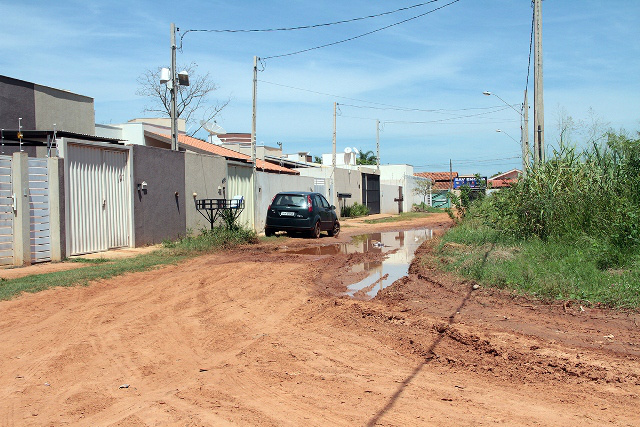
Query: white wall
x=129 y=133
x=387 y=194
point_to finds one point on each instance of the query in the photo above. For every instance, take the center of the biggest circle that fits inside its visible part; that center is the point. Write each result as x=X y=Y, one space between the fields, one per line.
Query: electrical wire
x=361 y=35
x=384 y=106
x=438 y=111
x=533 y=18
x=305 y=27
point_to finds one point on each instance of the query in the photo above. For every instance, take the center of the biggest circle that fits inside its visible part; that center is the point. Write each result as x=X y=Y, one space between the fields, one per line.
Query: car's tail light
x=272 y=199
x=309 y=203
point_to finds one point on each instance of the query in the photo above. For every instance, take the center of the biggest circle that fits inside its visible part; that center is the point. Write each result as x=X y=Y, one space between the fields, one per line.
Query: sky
x=422 y=79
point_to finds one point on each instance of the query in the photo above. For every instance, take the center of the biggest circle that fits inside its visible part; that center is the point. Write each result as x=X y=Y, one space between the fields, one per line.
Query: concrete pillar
x=21 y=219
x=56 y=215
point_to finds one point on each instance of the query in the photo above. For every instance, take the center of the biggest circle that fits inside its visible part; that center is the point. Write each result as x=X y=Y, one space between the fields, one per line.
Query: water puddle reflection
x=398 y=248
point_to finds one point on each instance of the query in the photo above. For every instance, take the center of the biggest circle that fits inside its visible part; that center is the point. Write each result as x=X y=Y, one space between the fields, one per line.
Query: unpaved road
x=259 y=337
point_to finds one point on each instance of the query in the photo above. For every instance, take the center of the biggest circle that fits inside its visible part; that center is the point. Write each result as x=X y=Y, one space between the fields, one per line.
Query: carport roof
x=38 y=137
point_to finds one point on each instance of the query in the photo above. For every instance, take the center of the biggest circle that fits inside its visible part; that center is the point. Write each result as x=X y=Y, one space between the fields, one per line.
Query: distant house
x=503 y=180
x=442 y=183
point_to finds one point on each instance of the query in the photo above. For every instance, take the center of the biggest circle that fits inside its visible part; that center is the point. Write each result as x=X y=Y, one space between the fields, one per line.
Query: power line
x=497 y=108
x=444 y=120
x=533 y=16
x=439 y=111
x=305 y=27
x=361 y=35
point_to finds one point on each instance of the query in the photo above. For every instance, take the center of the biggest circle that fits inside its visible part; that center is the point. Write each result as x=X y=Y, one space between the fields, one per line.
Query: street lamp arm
x=506 y=103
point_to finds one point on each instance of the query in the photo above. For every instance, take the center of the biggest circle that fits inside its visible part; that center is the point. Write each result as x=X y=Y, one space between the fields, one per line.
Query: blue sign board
x=471 y=182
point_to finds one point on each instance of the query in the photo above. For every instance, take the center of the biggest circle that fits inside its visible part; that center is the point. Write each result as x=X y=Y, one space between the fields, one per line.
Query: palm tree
x=366 y=158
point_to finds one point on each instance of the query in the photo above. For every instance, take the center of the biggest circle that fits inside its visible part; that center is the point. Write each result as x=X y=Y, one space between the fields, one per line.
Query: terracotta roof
x=438 y=176
x=512 y=174
x=500 y=183
x=199 y=144
x=440 y=180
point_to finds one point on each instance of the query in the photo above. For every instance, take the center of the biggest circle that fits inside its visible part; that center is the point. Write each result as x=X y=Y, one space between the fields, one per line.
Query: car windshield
x=291 y=200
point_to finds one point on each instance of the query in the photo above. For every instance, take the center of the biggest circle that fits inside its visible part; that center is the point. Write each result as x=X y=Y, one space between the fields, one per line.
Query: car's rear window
x=291 y=200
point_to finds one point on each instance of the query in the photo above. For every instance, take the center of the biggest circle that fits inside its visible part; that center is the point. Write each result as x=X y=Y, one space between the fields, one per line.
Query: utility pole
x=174 y=91
x=378 y=144
x=525 y=135
x=253 y=141
x=538 y=109
x=333 y=157
x=450 y=175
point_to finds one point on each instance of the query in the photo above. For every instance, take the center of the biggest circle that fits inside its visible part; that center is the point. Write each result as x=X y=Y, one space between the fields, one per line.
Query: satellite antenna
x=348 y=150
x=212 y=128
x=355 y=150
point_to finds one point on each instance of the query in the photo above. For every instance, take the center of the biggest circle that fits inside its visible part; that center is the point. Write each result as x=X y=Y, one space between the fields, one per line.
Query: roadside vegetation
x=570 y=230
x=101 y=268
x=354 y=211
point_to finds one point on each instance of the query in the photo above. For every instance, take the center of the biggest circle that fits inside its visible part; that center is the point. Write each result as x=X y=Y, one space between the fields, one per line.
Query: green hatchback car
x=301 y=211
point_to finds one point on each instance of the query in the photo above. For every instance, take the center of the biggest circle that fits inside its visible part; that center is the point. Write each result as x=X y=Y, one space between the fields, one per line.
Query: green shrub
x=354 y=210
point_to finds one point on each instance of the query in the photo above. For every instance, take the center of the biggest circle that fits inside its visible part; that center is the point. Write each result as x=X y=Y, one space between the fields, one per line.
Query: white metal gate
x=6 y=212
x=40 y=233
x=99 y=198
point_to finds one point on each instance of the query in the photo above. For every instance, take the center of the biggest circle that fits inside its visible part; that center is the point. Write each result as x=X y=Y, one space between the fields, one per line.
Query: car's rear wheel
x=335 y=230
x=315 y=233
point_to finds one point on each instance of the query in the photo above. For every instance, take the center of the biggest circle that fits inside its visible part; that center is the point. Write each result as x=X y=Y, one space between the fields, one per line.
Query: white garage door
x=99 y=198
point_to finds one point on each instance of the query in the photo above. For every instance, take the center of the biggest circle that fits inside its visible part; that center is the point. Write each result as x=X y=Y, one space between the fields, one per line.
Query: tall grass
x=593 y=194
x=569 y=230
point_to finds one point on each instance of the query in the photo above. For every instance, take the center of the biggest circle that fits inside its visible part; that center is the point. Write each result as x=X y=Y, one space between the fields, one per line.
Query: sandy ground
x=259 y=337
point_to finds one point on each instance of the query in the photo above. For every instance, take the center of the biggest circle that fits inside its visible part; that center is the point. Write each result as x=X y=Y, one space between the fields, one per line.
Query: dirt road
x=263 y=337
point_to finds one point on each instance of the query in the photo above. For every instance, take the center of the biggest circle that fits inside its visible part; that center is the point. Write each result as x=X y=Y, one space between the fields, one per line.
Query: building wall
x=203 y=180
x=346 y=181
x=17 y=101
x=160 y=211
x=387 y=195
x=269 y=184
x=68 y=111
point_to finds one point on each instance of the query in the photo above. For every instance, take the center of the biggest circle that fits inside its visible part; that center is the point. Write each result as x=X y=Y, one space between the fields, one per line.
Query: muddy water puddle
x=398 y=248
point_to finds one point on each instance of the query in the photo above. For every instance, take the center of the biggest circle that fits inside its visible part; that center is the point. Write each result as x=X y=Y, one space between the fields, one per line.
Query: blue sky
x=442 y=61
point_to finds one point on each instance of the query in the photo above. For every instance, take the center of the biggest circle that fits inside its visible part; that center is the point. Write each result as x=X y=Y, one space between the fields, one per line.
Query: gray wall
x=17 y=100
x=41 y=106
x=158 y=213
x=69 y=111
x=203 y=175
x=269 y=184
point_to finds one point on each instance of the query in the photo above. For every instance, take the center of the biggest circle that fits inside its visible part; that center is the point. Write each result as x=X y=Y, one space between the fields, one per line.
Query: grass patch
x=89 y=260
x=402 y=217
x=171 y=253
x=562 y=270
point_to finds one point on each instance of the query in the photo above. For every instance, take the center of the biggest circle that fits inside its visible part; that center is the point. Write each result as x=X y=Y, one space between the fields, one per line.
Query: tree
x=423 y=188
x=317 y=159
x=192 y=102
x=366 y=158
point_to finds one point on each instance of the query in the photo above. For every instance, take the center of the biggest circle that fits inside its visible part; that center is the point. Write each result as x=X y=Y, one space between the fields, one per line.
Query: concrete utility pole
x=174 y=91
x=333 y=157
x=525 y=135
x=253 y=119
x=538 y=108
x=378 y=144
x=253 y=143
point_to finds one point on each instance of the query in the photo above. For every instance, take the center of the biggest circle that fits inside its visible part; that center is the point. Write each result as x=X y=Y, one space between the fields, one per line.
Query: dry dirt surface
x=261 y=337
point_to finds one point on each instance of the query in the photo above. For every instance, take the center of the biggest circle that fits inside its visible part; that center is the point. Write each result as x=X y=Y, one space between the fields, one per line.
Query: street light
x=501 y=131
x=524 y=129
